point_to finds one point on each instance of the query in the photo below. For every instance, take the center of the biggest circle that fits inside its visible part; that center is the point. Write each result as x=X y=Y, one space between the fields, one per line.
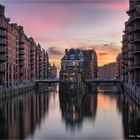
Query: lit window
x=74 y=63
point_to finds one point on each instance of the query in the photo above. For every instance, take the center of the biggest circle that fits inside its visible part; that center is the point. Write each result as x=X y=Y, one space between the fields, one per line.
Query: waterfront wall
x=133 y=91
x=15 y=91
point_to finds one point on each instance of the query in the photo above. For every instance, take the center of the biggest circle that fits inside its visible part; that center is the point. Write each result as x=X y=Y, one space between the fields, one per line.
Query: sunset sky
x=72 y=23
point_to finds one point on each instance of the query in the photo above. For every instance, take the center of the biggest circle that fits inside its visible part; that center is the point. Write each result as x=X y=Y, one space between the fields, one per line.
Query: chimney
x=66 y=51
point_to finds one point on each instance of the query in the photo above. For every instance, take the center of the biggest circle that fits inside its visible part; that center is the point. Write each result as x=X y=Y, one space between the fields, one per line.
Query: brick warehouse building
x=107 y=71
x=78 y=65
x=21 y=59
x=130 y=55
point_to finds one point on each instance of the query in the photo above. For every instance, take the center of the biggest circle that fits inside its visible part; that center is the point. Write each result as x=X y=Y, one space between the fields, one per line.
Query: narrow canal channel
x=38 y=115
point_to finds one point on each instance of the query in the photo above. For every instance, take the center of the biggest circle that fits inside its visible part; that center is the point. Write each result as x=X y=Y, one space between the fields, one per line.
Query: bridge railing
x=103 y=80
x=49 y=79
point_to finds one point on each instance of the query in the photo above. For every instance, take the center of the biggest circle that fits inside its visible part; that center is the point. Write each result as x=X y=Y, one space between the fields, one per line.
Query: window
x=72 y=57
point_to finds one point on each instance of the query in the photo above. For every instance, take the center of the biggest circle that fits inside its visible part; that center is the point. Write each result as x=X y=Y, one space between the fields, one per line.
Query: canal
x=48 y=115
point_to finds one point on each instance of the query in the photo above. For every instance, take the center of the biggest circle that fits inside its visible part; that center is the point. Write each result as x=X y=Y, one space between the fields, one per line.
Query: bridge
x=55 y=80
x=115 y=81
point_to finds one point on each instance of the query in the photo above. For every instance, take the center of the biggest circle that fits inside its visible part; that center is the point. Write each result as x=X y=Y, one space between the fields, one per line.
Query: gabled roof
x=77 y=54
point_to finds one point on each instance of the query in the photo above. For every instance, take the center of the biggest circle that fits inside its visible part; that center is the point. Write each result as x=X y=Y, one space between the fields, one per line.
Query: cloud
x=106 y=45
x=78 y=25
x=54 y=51
x=106 y=53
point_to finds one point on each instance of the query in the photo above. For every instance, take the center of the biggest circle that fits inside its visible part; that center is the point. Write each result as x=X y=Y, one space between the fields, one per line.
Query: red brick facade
x=21 y=59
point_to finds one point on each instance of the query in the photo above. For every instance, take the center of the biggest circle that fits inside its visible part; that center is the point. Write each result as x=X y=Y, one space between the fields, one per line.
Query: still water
x=38 y=115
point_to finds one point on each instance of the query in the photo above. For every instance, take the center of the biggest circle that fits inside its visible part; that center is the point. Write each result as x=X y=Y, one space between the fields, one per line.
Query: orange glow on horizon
x=103 y=57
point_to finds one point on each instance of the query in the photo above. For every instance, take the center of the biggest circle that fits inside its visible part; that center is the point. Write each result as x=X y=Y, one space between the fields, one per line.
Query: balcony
x=32 y=50
x=32 y=58
x=32 y=63
x=21 y=64
x=130 y=56
x=21 y=71
x=136 y=50
x=125 y=63
x=40 y=67
x=32 y=54
x=32 y=74
x=125 y=71
x=131 y=67
x=2 y=33
x=21 y=52
x=129 y=29
x=2 y=49
x=21 y=39
x=136 y=16
x=125 y=58
x=2 y=26
x=2 y=68
x=131 y=47
x=133 y=18
x=136 y=38
x=136 y=66
x=125 y=44
x=2 y=57
x=32 y=68
x=131 y=8
x=136 y=27
x=40 y=60
x=130 y=21
x=21 y=58
x=21 y=47
x=3 y=41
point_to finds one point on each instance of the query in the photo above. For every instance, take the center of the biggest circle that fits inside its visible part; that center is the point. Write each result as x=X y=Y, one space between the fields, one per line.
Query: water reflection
x=71 y=110
x=130 y=117
x=108 y=108
x=20 y=116
x=51 y=115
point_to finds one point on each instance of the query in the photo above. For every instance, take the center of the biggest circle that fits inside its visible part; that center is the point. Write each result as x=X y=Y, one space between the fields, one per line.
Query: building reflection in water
x=20 y=116
x=130 y=117
x=90 y=105
x=75 y=108
x=113 y=115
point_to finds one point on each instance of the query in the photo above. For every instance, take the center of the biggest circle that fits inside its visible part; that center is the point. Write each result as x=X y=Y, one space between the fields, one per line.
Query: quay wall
x=133 y=92
x=15 y=91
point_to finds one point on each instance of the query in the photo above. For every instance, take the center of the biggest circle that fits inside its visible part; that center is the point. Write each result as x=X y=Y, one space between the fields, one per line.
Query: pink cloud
x=116 y=5
x=43 y=21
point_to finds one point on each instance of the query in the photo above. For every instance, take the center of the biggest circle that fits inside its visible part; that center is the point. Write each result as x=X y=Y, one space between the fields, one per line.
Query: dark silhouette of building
x=52 y=71
x=90 y=64
x=108 y=71
x=130 y=60
x=118 y=66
